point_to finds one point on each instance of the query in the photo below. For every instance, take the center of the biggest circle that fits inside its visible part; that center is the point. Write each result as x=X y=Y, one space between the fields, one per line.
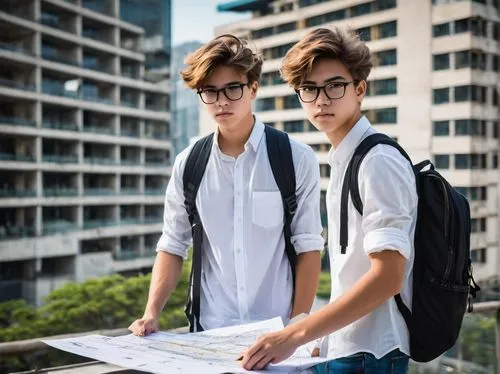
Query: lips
x=318 y=115
x=223 y=114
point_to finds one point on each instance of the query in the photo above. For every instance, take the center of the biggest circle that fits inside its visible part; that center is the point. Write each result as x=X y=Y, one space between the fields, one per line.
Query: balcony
x=99 y=130
x=60 y=192
x=18 y=121
x=98 y=223
x=17 y=85
x=8 y=233
x=99 y=192
x=154 y=191
x=14 y=48
x=60 y=159
x=99 y=161
x=131 y=162
x=13 y=193
x=157 y=135
x=59 y=126
x=58 y=227
x=97 y=99
x=131 y=221
x=57 y=57
x=153 y=219
x=130 y=133
x=130 y=191
x=57 y=89
x=14 y=157
x=126 y=254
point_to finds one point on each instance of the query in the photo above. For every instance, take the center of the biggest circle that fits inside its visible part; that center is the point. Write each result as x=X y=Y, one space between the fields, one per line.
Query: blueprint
x=214 y=351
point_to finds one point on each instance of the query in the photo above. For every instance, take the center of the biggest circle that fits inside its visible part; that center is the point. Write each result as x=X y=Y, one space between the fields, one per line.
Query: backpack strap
x=351 y=186
x=280 y=157
x=194 y=170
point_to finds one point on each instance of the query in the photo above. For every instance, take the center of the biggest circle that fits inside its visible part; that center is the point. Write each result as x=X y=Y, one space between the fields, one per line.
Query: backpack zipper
x=451 y=254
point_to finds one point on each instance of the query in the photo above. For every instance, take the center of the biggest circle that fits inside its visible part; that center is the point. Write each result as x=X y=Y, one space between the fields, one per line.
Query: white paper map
x=213 y=351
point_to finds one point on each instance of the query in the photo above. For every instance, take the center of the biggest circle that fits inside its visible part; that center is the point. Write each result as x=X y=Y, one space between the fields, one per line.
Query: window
x=365 y=33
x=496 y=63
x=478 y=60
x=441 y=30
x=496 y=129
x=442 y=161
x=478 y=27
x=462 y=93
x=360 y=10
x=441 y=62
x=262 y=33
x=462 y=59
x=388 y=57
x=388 y=30
x=294 y=126
x=291 y=102
x=494 y=161
x=478 y=225
x=441 y=128
x=441 y=95
x=262 y=105
x=495 y=96
x=478 y=256
x=462 y=25
x=462 y=161
x=285 y=27
x=496 y=31
x=385 y=4
x=385 y=86
x=386 y=116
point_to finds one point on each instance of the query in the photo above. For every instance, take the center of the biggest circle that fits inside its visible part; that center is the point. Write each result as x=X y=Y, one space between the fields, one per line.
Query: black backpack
x=280 y=157
x=442 y=273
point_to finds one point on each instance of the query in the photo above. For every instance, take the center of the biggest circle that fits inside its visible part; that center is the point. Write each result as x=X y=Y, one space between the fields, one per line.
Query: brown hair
x=338 y=43
x=225 y=50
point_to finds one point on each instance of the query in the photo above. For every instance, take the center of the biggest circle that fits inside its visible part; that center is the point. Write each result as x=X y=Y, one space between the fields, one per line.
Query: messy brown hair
x=225 y=50
x=336 y=43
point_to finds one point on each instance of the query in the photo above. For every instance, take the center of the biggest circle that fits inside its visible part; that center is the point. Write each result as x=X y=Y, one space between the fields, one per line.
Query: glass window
x=291 y=102
x=441 y=62
x=285 y=27
x=262 y=33
x=385 y=4
x=361 y=9
x=265 y=104
x=441 y=95
x=496 y=63
x=385 y=86
x=462 y=59
x=388 y=29
x=462 y=161
x=462 y=25
x=462 y=127
x=441 y=29
x=388 y=57
x=462 y=93
x=386 y=116
x=442 y=161
x=441 y=128
x=294 y=126
x=478 y=255
x=365 y=33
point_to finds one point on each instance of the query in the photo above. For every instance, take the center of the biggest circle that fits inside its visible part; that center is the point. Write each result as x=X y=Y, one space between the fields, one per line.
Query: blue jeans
x=394 y=362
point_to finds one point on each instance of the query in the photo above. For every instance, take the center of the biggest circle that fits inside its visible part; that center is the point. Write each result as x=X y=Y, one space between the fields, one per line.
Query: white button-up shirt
x=245 y=271
x=388 y=192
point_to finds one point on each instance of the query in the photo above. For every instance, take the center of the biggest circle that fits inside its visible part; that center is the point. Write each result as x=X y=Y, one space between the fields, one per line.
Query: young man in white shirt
x=246 y=275
x=363 y=328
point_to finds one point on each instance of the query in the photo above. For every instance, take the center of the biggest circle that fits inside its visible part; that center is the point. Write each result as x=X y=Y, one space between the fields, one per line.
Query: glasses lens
x=209 y=96
x=335 y=90
x=308 y=93
x=234 y=92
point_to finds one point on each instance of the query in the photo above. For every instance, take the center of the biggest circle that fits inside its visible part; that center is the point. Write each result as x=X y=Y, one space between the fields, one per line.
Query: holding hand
x=144 y=326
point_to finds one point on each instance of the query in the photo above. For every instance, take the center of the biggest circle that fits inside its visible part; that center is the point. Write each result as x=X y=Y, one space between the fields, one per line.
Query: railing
x=99 y=192
x=17 y=85
x=130 y=133
x=8 y=192
x=17 y=121
x=99 y=161
x=60 y=126
x=7 y=233
x=14 y=157
x=60 y=159
x=130 y=191
x=99 y=130
x=154 y=191
x=14 y=48
x=60 y=192
x=96 y=223
x=58 y=227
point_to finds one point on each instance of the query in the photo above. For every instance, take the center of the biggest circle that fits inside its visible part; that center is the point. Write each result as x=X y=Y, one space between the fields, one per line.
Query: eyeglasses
x=333 y=91
x=233 y=92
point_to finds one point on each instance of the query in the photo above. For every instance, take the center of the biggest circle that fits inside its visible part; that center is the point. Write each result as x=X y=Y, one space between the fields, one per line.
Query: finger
x=266 y=360
x=249 y=362
x=315 y=352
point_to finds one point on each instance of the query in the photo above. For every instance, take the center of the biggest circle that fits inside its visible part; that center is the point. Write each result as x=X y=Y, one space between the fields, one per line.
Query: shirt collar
x=254 y=139
x=342 y=153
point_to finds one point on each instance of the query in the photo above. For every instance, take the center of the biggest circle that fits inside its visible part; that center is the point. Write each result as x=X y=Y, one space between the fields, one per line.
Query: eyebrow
x=336 y=78
x=226 y=85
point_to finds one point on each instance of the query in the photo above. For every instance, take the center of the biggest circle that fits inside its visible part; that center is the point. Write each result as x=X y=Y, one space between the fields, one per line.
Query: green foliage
x=324 y=285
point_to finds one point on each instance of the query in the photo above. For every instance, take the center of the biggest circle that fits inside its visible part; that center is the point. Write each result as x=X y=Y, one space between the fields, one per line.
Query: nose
x=322 y=98
x=222 y=100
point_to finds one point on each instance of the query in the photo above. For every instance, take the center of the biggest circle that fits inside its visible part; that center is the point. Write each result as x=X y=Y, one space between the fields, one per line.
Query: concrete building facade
x=434 y=87
x=84 y=146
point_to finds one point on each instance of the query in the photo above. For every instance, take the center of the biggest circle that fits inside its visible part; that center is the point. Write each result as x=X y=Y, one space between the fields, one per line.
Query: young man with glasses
x=245 y=273
x=363 y=328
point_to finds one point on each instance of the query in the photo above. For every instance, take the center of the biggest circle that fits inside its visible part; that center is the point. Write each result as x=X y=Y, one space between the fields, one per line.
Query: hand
x=144 y=326
x=270 y=348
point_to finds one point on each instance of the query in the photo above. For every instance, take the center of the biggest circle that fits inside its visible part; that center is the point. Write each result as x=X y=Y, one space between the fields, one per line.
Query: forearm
x=166 y=272
x=372 y=290
x=306 y=281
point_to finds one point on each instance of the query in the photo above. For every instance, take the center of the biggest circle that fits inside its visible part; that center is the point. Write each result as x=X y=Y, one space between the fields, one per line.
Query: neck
x=336 y=136
x=232 y=139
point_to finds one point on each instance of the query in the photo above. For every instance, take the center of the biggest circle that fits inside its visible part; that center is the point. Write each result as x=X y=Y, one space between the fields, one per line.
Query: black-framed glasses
x=233 y=92
x=332 y=90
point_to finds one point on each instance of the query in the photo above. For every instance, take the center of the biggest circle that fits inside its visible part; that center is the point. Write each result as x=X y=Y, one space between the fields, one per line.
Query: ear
x=253 y=89
x=360 y=91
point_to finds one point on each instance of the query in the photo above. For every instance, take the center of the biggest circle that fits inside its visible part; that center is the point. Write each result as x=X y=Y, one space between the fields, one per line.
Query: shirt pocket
x=267 y=208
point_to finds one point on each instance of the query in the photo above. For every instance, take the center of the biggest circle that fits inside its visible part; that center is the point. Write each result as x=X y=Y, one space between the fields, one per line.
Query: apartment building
x=434 y=88
x=85 y=153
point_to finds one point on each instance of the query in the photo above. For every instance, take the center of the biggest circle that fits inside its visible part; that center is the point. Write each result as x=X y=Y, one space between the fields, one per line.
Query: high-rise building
x=84 y=146
x=434 y=87
x=184 y=101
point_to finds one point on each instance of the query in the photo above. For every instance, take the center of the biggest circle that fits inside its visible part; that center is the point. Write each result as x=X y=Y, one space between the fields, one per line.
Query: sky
x=195 y=20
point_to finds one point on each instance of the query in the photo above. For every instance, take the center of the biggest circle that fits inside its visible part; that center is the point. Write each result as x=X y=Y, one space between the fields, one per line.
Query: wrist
x=297 y=334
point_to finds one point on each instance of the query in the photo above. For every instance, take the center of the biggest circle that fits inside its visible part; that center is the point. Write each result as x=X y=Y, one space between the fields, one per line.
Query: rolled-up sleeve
x=306 y=224
x=388 y=191
x=176 y=234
